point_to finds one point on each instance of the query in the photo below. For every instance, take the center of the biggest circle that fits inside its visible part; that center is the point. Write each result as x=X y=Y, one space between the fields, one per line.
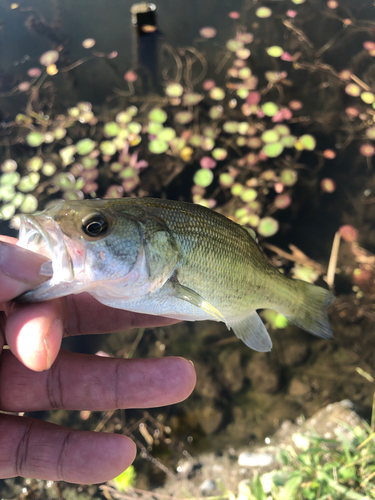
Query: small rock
x=298 y=388
x=301 y=441
x=335 y=420
x=185 y=468
x=295 y=354
x=207 y=487
x=206 y=386
x=232 y=371
x=263 y=376
x=248 y=459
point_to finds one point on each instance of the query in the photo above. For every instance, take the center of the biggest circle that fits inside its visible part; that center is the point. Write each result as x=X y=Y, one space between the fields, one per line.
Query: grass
x=329 y=469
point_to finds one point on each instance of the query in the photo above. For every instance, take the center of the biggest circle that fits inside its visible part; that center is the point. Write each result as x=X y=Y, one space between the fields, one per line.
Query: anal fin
x=252 y=332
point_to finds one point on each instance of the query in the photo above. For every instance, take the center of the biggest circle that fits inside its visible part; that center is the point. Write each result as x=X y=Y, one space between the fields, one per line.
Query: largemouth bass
x=168 y=258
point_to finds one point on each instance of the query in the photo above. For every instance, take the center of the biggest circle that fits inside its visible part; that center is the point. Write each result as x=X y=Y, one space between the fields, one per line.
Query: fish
x=168 y=258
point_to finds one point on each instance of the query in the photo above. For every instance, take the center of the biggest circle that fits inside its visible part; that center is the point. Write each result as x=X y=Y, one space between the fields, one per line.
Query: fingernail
x=46 y=268
x=20 y=264
x=52 y=342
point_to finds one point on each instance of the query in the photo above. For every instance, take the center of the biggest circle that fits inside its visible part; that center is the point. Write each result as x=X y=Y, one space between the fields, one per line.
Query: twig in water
x=333 y=260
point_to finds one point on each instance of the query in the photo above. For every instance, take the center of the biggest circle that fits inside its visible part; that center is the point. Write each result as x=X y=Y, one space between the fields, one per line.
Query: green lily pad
x=183 y=117
x=244 y=74
x=74 y=112
x=174 y=89
x=273 y=150
x=111 y=129
x=248 y=194
x=116 y=167
x=158 y=115
x=9 y=166
x=178 y=143
x=85 y=146
x=7 y=193
x=216 y=112
x=10 y=179
x=67 y=154
x=123 y=117
x=191 y=98
x=217 y=94
x=263 y=12
x=237 y=189
x=135 y=128
x=207 y=144
x=275 y=51
x=288 y=140
x=28 y=182
x=65 y=181
x=203 y=177
x=79 y=184
x=226 y=180
x=233 y=45
x=219 y=154
x=89 y=163
x=230 y=127
x=132 y=110
x=282 y=129
x=243 y=128
x=158 y=147
x=108 y=148
x=368 y=97
x=128 y=173
x=154 y=128
x=29 y=205
x=34 y=139
x=308 y=142
x=35 y=164
x=241 y=141
x=7 y=211
x=166 y=134
x=73 y=195
x=18 y=199
x=268 y=226
x=59 y=133
x=270 y=136
x=270 y=108
x=288 y=177
x=195 y=140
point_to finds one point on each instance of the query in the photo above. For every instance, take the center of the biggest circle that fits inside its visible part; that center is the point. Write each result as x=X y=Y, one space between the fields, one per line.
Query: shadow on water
x=241 y=396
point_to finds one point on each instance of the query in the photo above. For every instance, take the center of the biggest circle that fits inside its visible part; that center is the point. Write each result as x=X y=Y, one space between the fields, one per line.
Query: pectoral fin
x=252 y=332
x=184 y=293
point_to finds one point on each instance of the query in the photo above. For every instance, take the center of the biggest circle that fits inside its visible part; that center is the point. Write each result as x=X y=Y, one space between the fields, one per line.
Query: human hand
x=35 y=375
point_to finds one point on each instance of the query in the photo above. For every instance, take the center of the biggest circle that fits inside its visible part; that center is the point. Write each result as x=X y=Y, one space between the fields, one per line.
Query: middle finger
x=88 y=382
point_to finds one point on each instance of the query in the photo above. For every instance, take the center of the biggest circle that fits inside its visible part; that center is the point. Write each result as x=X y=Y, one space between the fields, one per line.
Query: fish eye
x=94 y=225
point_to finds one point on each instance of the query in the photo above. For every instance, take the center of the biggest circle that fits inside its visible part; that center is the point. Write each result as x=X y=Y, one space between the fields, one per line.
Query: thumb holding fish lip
x=34 y=333
x=19 y=269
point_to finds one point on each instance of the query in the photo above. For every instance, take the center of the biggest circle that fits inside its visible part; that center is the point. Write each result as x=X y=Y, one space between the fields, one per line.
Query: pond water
x=241 y=396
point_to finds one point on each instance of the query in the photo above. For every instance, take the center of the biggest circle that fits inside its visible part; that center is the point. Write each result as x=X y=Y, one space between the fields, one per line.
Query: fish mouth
x=42 y=234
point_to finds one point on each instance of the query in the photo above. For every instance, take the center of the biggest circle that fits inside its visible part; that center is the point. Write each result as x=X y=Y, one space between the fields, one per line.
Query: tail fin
x=311 y=314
